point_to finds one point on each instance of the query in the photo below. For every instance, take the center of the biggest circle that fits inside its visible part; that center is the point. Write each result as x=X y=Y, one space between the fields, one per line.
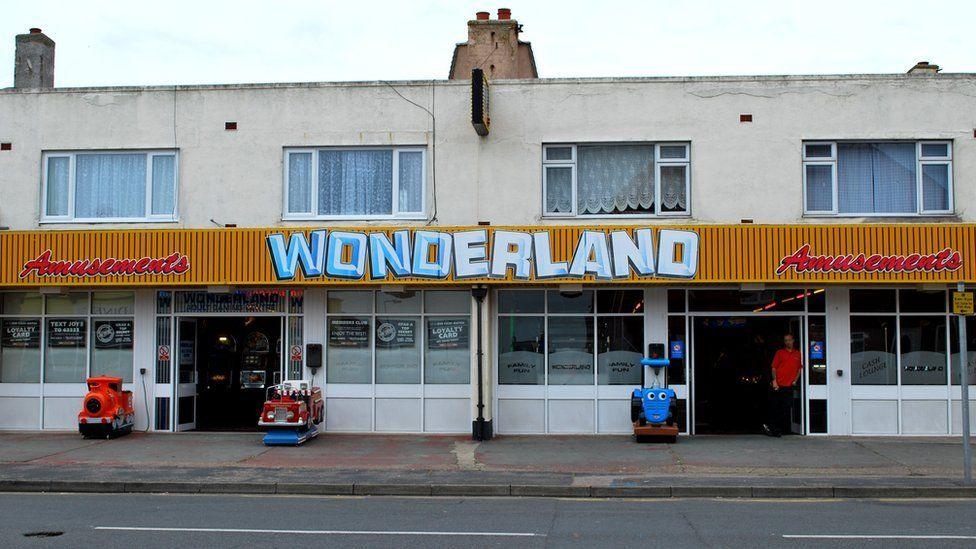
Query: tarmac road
x=128 y=520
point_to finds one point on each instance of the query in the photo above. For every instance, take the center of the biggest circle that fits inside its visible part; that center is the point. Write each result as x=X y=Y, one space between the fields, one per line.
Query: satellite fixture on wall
x=480 y=118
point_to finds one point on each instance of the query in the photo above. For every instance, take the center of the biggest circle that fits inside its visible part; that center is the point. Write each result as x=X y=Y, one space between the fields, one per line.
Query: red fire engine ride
x=107 y=410
x=292 y=410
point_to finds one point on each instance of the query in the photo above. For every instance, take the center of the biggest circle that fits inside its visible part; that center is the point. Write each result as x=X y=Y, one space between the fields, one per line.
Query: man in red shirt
x=786 y=368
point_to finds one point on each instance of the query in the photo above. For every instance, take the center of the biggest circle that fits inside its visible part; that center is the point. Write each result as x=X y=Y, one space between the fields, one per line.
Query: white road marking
x=875 y=536
x=318 y=532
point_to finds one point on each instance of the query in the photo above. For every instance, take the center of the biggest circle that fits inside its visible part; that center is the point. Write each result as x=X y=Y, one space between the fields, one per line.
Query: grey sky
x=201 y=41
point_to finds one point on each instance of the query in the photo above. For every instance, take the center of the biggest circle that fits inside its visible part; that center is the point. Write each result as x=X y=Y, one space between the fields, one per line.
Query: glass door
x=797 y=406
x=186 y=383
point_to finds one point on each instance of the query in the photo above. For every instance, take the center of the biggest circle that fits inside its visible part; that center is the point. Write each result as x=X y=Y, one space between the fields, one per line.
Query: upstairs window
x=355 y=183
x=877 y=178
x=109 y=186
x=600 y=180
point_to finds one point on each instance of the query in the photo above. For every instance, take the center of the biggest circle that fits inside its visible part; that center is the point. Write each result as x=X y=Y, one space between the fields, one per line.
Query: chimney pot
x=482 y=15
x=504 y=14
x=924 y=67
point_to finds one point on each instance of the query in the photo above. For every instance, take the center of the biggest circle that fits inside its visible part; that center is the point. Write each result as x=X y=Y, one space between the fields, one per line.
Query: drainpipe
x=481 y=430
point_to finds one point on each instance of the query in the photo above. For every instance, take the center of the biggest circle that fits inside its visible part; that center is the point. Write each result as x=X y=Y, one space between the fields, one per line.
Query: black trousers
x=778 y=409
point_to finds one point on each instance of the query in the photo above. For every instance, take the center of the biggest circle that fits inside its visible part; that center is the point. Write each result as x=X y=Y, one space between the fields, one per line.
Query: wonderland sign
x=274 y=257
x=472 y=254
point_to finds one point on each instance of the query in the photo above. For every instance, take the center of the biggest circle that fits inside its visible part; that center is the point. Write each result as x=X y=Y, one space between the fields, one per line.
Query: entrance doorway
x=732 y=359
x=225 y=365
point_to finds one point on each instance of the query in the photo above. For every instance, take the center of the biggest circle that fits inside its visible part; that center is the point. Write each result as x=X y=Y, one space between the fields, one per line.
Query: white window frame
x=821 y=161
x=658 y=163
x=149 y=217
x=935 y=161
x=314 y=215
x=919 y=162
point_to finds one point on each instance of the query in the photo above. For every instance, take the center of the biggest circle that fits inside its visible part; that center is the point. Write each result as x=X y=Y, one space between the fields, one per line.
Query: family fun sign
x=476 y=254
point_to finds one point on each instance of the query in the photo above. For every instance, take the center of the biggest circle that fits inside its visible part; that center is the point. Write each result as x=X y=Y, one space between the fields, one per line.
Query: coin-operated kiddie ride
x=292 y=411
x=652 y=409
x=106 y=411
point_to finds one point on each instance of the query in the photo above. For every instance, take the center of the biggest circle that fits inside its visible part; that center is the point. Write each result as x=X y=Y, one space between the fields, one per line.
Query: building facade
x=204 y=241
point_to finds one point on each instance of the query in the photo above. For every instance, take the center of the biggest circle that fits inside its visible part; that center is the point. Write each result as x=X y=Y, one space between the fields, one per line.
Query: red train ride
x=107 y=410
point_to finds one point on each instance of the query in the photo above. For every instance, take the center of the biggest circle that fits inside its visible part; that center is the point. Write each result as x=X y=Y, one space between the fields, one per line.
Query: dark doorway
x=238 y=359
x=732 y=360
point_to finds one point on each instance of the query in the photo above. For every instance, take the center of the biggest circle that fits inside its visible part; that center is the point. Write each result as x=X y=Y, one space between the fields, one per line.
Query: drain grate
x=48 y=534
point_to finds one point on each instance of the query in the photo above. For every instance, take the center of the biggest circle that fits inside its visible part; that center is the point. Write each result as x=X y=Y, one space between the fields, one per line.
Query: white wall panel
x=62 y=412
x=20 y=413
x=571 y=417
x=348 y=414
x=613 y=416
x=447 y=415
x=924 y=417
x=516 y=416
x=398 y=414
x=957 y=415
x=872 y=417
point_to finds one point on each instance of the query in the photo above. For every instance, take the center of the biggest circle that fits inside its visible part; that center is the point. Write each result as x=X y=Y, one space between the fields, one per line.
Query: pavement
x=578 y=466
x=219 y=521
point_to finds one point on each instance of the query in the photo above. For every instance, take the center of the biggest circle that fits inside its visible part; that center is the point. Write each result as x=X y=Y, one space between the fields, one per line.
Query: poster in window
x=392 y=333
x=349 y=332
x=113 y=334
x=21 y=333
x=68 y=332
x=447 y=333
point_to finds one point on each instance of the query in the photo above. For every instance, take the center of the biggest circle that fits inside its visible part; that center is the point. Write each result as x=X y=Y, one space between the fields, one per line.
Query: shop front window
x=570 y=350
x=20 y=338
x=349 y=356
x=899 y=337
x=409 y=336
x=521 y=342
x=970 y=350
x=448 y=356
x=397 y=349
x=923 y=350
x=873 y=358
x=619 y=347
x=564 y=338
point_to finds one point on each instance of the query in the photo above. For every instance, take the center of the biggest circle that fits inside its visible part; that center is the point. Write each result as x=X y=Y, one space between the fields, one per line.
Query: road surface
x=217 y=521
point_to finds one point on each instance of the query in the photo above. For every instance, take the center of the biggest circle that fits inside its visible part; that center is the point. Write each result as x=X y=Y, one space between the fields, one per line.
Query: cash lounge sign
x=470 y=254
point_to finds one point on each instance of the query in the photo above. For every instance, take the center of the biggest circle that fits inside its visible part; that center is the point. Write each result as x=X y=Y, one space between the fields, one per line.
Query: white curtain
x=57 y=185
x=356 y=182
x=615 y=178
x=673 y=189
x=300 y=183
x=163 y=188
x=411 y=182
x=559 y=189
x=876 y=177
x=110 y=185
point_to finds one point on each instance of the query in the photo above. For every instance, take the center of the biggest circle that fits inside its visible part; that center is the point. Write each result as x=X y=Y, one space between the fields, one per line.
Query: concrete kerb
x=491 y=490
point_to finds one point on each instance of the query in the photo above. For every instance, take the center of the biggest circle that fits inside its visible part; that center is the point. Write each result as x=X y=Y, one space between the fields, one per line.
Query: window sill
x=939 y=215
x=355 y=218
x=618 y=216
x=103 y=220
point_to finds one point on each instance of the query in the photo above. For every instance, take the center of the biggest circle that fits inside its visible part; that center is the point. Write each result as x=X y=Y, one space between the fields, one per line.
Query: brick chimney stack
x=493 y=45
x=33 y=60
